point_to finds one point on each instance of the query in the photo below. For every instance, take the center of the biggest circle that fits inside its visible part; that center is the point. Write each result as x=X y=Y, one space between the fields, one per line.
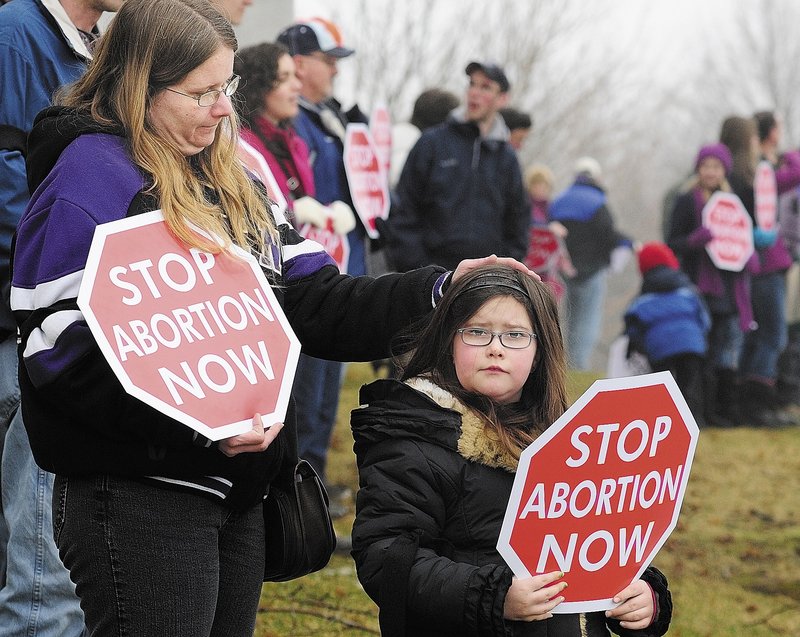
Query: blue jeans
x=9 y=402
x=584 y=309
x=316 y=388
x=151 y=562
x=763 y=346
x=38 y=599
x=725 y=341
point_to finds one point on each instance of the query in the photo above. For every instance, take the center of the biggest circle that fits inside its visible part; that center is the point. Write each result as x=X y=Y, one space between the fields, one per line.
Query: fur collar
x=476 y=442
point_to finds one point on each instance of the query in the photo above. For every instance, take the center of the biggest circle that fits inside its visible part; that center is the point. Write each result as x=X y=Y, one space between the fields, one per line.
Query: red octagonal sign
x=597 y=494
x=366 y=177
x=198 y=336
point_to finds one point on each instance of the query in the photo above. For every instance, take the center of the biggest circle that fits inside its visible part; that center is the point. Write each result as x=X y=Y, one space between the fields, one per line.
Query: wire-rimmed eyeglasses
x=209 y=98
x=512 y=339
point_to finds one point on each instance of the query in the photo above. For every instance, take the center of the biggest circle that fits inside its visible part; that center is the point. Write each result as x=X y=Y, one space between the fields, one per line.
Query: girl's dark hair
x=258 y=67
x=737 y=134
x=765 y=122
x=544 y=394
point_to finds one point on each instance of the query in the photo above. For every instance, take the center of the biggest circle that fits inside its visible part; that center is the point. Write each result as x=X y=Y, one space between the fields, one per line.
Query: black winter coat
x=431 y=475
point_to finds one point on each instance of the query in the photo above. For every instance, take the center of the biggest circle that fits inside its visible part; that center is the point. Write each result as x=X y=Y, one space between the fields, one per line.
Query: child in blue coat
x=668 y=322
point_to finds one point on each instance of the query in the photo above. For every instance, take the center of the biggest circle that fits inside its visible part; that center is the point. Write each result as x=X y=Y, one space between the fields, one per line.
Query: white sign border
x=727 y=196
x=350 y=132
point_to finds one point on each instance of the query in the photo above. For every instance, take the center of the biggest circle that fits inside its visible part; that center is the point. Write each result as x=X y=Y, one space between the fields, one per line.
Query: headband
x=495 y=279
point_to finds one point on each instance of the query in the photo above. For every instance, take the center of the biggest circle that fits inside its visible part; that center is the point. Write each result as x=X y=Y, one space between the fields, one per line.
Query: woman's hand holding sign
x=253 y=441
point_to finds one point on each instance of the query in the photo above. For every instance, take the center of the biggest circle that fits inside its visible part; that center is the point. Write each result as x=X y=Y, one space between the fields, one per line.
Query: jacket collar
x=497 y=133
x=68 y=29
x=476 y=442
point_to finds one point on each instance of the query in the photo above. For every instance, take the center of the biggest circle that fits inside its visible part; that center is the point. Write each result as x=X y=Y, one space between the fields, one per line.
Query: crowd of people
x=740 y=383
x=481 y=261
x=143 y=120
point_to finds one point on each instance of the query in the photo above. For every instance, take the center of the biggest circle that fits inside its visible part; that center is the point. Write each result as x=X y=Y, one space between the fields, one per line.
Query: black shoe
x=718 y=420
x=761 y=407
x=340 y=500
x=339 y=492
x=766 y=418
x=344 y=544
x=787 y=394
x=337 y=509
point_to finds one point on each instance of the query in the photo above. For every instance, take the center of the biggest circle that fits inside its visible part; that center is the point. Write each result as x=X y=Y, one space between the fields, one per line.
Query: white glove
x=309 y=210
x=342 y=217
x=558 y=229
x=619 y=258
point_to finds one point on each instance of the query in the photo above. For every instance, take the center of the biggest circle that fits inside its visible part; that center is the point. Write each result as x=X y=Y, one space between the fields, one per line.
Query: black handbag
x=299 y=536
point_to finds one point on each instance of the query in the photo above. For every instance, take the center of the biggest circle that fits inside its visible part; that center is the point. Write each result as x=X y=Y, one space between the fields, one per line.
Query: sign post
x=198 y=336
x=732 y=229
x=599 y=492
x=365 y=176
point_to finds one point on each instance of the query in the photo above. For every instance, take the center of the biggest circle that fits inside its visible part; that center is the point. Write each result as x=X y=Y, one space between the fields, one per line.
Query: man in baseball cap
x=316 y=45
x=492 y=71
x=460 y=194
x=315 y=34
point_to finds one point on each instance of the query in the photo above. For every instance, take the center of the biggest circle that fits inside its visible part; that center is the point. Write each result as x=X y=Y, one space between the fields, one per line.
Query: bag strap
x=13 y=138
x=290 y=459
x=395 y=573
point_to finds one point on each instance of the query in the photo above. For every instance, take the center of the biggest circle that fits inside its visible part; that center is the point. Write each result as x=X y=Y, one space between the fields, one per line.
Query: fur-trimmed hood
x=418 y=408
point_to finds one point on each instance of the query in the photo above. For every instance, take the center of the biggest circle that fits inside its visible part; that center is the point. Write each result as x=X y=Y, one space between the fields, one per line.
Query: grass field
x=733 y=562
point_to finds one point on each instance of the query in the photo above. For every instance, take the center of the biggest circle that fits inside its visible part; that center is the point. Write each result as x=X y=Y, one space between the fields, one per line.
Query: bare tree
x=752 y=62
x=577 y=85
x=624 y=81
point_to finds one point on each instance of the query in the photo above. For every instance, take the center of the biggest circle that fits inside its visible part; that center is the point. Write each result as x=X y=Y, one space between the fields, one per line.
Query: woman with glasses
x=162 y=530
x=437 y=452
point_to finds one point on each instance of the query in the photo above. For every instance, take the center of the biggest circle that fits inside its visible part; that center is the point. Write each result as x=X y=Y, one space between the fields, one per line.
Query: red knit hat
x=655 y=253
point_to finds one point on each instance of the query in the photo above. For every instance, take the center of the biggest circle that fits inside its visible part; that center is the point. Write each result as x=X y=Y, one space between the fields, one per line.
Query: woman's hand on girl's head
x=253 y=441
x=467 y=265
x=636 y=608
x=533 y=598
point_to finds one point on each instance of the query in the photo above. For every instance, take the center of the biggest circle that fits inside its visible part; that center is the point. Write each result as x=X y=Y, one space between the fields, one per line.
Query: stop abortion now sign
x=198 y=336
x=366 y=177
x=599 y=492
x=732 y=230
x=765 y=191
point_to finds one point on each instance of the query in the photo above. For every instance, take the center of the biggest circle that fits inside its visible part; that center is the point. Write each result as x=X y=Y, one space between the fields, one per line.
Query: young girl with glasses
x=437 y=452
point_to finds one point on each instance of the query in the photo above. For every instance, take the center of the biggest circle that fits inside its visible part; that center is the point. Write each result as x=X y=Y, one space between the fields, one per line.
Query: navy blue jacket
x=460 y=196
x=583 y=210
x=326 y=156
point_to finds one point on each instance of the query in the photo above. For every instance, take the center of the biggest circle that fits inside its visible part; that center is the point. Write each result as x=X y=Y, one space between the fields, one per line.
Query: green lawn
x=733 y=562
